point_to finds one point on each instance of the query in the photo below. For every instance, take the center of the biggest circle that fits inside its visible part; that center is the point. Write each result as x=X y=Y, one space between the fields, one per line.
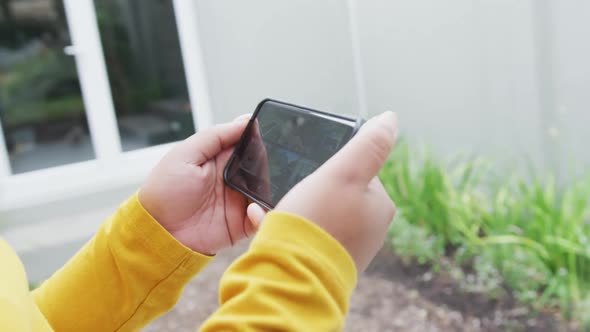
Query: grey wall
x=570 y=23
x=291 y=50
x=508 y=78
x=461 y=74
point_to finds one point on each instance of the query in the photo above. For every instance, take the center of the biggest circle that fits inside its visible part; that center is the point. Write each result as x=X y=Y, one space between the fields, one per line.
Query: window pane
x=146 y=73
x=41 y=106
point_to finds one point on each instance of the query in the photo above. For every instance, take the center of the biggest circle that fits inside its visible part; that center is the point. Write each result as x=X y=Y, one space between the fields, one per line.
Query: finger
x=245 y=116
x=249 y=228
x=263 y=163
x=236 y=205
x=256 y=214
x=361 y=159
x=223 y=157
x=206 y=144
x=381 y=201
x=256 y=162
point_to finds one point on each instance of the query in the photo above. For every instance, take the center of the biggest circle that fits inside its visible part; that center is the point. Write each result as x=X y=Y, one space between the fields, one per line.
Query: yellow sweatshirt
x=294 y=277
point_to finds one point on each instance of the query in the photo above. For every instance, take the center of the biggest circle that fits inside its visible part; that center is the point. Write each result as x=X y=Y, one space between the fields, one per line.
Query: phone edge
x=356 y=126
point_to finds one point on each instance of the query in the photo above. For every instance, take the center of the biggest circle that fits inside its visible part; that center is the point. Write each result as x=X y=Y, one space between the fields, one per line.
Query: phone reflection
x=282 y=146
x=250 y=170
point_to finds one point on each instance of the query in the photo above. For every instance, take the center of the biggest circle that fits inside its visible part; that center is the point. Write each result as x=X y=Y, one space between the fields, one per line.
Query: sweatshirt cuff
x=140 y=225
x=292 y=230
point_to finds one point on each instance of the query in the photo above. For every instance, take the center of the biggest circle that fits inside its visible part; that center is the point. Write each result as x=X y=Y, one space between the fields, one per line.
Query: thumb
x=208 y=143
x=256 y=214
x=363 y=156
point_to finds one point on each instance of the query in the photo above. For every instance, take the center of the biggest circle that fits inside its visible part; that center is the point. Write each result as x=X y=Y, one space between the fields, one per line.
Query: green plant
x=414 y=242
x=41 y=88
x=40 y=111
x=549 y=224
x=132 y=85
x=434 y=196
x=530 y=235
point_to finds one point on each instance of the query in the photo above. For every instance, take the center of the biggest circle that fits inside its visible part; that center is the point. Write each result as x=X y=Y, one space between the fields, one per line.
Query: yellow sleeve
x=294 y=277
x=132 y=271
x=17 y=310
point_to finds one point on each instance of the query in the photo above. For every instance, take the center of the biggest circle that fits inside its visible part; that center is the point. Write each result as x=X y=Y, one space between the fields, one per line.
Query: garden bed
x=465 y=310
x=469 y=250
x=503 y=239
x=390 y=296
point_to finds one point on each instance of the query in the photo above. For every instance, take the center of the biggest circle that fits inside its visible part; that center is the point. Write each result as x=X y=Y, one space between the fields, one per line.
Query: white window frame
x=4 y=161
x=194 y=64
x=112 y=168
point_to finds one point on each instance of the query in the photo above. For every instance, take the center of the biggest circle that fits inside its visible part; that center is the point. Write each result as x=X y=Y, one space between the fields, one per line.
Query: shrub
x=528 y=234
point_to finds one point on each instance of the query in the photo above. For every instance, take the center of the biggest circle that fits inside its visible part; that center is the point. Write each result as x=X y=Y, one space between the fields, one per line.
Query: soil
x=390 y=296
x=479 y=312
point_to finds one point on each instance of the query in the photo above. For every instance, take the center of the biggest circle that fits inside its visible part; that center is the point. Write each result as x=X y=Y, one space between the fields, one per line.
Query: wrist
x=190 y=239
x=150 y=203
x=186 y=237
x=142 y=226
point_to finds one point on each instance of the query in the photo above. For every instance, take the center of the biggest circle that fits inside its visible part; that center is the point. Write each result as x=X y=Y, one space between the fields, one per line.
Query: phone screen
x=282 y=145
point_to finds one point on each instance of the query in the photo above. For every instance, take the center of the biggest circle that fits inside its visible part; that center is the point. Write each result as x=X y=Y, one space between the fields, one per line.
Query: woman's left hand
x=186 y=193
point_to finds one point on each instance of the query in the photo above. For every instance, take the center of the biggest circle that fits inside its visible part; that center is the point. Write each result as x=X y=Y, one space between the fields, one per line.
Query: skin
x=345 y=197
x=260 y=182
x=186 y=193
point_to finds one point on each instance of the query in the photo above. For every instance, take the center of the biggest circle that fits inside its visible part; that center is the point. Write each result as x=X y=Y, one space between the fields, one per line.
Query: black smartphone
x=282 y=144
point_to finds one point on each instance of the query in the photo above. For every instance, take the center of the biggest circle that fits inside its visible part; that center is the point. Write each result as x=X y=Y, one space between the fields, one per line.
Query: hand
x=252 y=171
x=345 y=197
x=186 y=194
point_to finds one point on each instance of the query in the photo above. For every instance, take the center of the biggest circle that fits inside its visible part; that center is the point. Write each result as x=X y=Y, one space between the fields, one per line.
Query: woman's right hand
x=345 y=197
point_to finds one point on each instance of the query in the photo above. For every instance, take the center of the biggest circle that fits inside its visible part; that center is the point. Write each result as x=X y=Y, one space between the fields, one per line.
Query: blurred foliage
x=38 y=112
x=132 y=87
x=38 y=82
x=523 y=233
x=41 y=88
x=14 y=34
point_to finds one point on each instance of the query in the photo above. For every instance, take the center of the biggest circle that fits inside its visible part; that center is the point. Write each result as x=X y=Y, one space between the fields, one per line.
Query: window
x=146 y=73
x=41 y=107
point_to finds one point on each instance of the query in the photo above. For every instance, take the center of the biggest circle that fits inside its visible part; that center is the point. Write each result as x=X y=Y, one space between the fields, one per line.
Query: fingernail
x=389 y=118
x=243 y=117
x=256 y=214
x=388 y=114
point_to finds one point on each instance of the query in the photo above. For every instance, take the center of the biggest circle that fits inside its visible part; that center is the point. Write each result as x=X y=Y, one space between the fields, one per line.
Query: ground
x=389 y=297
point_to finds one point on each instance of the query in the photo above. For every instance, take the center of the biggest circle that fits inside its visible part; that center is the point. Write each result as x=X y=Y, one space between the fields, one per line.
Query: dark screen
x=283 y=145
